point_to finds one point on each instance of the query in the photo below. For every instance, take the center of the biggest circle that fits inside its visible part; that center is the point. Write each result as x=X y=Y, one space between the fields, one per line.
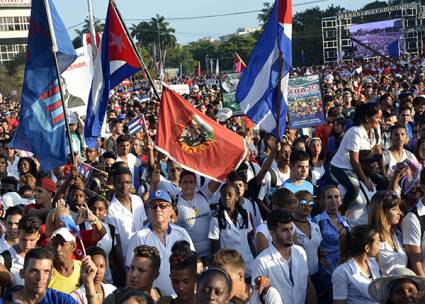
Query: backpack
x=7 y=258
x=421 y=219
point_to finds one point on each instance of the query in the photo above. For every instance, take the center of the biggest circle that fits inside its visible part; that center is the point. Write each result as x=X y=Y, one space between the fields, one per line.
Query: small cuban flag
x=136 y=124
x=85 y=170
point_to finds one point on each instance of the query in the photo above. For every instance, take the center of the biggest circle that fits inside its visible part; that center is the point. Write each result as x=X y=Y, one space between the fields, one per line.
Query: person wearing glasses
x=160 y=233
x=307 y=233
x=385 y=215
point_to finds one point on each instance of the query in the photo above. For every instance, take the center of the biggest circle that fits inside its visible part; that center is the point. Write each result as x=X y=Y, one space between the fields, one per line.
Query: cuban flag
x=256 y=91
x=136 y=124
x=115 y=61
x=85 y=170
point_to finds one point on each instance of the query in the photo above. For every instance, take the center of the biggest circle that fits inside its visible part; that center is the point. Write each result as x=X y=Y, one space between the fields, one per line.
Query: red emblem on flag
x=196 y=141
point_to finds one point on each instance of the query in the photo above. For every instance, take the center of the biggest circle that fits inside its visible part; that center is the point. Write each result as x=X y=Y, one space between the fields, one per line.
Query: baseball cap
x=159 y=195
x=47 y=184
x=65 y=234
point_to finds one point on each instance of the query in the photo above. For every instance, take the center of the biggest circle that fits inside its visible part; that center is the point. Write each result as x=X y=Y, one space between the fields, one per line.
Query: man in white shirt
x=12 y=260
x=123 y=151
x=11 y=236
x=12 y=162
x=160 y=233
x=126 y=212
x=284 y=263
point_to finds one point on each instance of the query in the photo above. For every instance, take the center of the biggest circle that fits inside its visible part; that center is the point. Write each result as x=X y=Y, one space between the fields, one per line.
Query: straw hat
x=380 y=288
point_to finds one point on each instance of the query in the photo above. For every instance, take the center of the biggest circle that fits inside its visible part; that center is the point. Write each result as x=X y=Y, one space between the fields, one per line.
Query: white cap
x=65 y=234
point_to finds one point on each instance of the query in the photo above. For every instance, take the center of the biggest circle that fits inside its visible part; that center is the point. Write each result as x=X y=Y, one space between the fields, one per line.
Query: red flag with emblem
x=196 y=141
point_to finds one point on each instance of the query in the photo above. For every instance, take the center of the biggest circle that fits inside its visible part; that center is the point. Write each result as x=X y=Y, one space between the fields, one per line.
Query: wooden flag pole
x=54 y=51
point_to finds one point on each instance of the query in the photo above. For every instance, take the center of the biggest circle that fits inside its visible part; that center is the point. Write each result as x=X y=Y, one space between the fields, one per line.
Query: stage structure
x=337 y=45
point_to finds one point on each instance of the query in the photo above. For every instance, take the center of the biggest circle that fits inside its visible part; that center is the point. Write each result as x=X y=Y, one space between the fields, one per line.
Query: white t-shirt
x=146 y=236
x=357 y=211
x=80 y=294
x=17 y=265
x=351 y=285
x=195 y=216
x=317 y=173
x=254 y=210
x=271 y=297
x=390 y=259
x=355 y=139
x=234 y=237
x=264 y=230
x=271 y=264
x=132 y=162
x=126 y=223
x=390 y=162
x=310 y=245
x=266 y=184
x=4 y=245
x=411 y=229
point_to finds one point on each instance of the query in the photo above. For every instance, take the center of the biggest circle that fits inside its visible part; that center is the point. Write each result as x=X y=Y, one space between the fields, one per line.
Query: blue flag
x=70 y=224
x=42 y=125
x=394 y=49
x=256 y=91
x=115 y=61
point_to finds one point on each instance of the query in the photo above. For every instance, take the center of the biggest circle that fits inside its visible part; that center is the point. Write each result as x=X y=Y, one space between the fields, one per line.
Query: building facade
x=14 y=23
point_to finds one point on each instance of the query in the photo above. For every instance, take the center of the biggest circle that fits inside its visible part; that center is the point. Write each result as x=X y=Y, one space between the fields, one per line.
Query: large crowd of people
x=327 y=214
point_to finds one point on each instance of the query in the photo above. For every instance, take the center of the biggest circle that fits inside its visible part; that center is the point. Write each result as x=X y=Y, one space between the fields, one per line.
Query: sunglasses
x=306 y=203
x=160 y=206
x=175 y=169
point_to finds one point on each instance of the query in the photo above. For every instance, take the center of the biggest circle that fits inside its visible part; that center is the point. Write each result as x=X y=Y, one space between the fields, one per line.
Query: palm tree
x=143 y=33
x=98 y=27
x=165 y=33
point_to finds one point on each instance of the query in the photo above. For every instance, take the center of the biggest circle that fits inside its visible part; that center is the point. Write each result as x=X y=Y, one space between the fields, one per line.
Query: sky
x=73 y=12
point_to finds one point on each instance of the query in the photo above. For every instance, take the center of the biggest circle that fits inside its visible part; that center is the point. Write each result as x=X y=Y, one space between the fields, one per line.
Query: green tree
x=241 y=44
x=98 y=27
x=182 y=54
x=202 y=48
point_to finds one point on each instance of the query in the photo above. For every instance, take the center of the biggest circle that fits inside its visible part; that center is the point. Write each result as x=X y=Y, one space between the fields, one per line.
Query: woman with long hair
x=358 y=267
x=365 y=135
x=385 y=215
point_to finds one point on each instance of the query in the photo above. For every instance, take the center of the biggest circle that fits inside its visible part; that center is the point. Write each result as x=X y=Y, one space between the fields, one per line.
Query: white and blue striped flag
x=136 y=124
x=256 y=91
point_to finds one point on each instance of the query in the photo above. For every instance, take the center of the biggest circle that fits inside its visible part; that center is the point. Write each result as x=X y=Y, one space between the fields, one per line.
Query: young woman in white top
x=385 y=214
x=364 y=135
x=317 y=168
x=231 y=227
x=351 y=279
x=307 y=233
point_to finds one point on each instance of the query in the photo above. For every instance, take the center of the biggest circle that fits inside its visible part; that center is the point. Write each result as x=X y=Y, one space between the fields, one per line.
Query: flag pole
x=54 y=51
x=92 y=28
x=278 y=93
x=139 y=57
